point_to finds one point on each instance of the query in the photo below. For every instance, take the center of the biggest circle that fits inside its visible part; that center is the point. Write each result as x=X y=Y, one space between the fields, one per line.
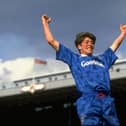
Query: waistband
x=96 y=93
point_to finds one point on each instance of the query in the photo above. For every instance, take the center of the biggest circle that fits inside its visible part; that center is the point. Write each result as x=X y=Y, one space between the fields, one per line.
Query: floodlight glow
x=32 y=88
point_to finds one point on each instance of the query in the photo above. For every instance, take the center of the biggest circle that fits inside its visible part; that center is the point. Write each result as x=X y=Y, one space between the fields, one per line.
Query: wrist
x=44 y=22
x=123 y=34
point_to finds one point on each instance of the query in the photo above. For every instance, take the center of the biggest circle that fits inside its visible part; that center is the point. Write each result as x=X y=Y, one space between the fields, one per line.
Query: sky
x=21 y=33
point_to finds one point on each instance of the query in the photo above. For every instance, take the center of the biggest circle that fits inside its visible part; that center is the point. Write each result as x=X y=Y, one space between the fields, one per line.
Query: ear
x=79 y=46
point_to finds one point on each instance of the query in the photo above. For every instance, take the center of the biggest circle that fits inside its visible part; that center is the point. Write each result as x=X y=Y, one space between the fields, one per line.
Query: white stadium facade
x=50 y=99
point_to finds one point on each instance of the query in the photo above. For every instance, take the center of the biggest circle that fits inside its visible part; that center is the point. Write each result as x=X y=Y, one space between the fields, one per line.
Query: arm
x=47 y=32
x=115 y=45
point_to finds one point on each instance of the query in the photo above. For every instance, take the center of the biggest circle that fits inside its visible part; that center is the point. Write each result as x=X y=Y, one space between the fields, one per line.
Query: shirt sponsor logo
x=92 y=62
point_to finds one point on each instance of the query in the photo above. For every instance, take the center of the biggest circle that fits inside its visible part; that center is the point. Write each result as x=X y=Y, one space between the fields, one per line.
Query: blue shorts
x=97 y=111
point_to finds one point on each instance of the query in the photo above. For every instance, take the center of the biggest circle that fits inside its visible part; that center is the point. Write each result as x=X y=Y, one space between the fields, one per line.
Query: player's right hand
x=46 y=18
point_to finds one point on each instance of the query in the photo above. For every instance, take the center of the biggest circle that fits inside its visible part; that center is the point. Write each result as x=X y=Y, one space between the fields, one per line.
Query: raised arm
x=47 y=32
x=119 y=39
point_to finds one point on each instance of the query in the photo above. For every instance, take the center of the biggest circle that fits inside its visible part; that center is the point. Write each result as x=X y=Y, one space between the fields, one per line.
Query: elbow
x=50 y=41
x=54 y=43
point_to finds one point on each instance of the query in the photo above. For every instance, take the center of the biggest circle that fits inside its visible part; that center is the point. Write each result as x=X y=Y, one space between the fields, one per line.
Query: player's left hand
x=123 y=28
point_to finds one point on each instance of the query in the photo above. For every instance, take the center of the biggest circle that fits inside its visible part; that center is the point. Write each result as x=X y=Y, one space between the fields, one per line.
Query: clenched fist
x=46 y=19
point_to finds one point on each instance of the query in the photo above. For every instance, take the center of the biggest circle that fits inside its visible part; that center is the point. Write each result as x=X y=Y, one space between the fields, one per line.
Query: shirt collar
x=83 y=55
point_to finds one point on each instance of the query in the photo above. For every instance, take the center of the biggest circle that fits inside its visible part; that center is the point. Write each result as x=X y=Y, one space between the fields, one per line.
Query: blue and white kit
x=91 y=75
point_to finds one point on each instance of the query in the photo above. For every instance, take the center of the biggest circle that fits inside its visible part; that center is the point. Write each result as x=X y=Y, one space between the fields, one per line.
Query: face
x=86 y=47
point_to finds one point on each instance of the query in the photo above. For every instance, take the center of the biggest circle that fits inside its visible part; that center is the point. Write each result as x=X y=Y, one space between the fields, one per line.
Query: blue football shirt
x=91 y=73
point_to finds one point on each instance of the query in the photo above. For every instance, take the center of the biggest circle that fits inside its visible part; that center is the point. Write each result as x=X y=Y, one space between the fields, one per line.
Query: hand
x=46 y=19
x=123 y=28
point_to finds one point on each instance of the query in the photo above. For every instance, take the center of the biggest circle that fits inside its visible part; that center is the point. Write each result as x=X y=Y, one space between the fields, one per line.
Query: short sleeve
x=108 y=57
x=64 y=54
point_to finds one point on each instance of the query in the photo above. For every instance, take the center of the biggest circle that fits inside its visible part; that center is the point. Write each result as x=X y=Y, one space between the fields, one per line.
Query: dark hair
x=80 y=37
